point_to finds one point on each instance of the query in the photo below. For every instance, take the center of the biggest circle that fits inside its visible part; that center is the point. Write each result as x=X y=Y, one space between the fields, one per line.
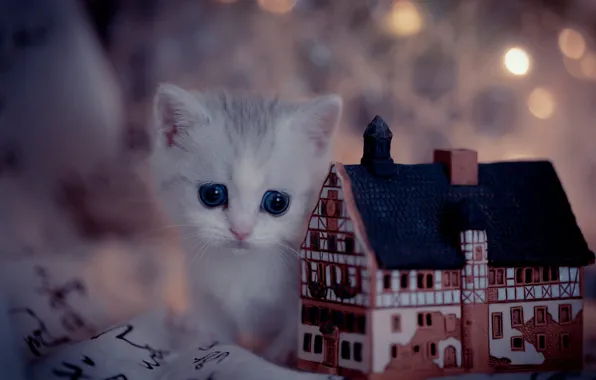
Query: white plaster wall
x=311 y=356
x=501 y=348
x=364 y=365
x=383 y=337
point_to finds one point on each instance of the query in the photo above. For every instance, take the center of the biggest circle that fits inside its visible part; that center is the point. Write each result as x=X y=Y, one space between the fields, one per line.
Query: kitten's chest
x=253 y=292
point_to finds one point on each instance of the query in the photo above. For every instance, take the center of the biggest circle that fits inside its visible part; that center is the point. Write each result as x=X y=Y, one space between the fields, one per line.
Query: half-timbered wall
x=527 y=333
x=414 y=288
x=421 y=334
x=533 y=283
x=331 y=253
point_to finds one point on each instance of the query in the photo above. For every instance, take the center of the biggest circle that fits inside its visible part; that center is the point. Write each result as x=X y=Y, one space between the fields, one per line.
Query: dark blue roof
x=413 y=218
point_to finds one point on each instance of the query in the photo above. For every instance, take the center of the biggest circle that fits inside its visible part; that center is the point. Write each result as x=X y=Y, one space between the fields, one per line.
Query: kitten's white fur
x=251 y=145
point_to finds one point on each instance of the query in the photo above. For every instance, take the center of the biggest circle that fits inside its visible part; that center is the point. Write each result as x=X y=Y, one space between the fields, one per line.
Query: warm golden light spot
x=588 y=66
x=573 y=68
x=541 y=103
x=517 y=61
x=404 y=19
x=277 y=6
x=572 y=43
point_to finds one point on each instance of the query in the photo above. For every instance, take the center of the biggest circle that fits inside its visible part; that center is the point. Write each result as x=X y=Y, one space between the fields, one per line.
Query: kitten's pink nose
x=240 y=235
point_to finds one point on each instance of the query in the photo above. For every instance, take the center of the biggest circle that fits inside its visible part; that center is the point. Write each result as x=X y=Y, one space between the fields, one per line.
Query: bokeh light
x=541 y=103
x=571 y=43
x=588 y=66
x=517 y=61
x=404 y=19
x=277 y=6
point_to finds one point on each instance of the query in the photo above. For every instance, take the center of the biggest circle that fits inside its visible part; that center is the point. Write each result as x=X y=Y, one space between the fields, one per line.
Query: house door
x=330 y=355
x=330 y=347
x=449 y=360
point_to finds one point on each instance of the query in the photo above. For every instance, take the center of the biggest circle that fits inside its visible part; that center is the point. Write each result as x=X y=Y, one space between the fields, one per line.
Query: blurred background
x=514 y=79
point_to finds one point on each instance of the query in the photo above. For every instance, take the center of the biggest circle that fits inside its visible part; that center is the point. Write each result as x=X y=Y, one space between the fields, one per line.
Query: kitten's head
x=241 y=171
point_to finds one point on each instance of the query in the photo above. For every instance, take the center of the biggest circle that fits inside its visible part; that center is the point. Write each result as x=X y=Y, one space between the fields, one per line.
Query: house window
x=497 y=319
x=517 y=343
x=358 y=352
x=345 y=350
x=318 y=344
x=425 y=319
x=540 y=342
x=416 y=348
x=564 y=341
x=324 y=315
x=394 y=351
x=432 y=350
x=317 y=272
x=536 y=275
x=315 y=240
x=404 y=281
x=304 y=315
x=313 y=315
x=331 y=243
x=478 y=253
x=500 y=280
x=496 y=277
x=306 y=343
x=387 y=282
x=430 y=281
x=539 y=315
x=528 y=275
x=550 y=274
x=337 y=318
x=350 y=322
x=361 y=325
x=450 y=280
x=425 y=281
x=564 y=314
x=396 y=324
x=349 y=244
x=323 y=207
x=517 y=316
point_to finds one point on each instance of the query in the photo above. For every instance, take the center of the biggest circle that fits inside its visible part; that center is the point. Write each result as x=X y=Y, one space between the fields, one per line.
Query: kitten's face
x=241 y=172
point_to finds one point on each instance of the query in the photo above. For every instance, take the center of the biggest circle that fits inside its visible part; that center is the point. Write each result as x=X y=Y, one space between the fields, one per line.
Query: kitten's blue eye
x=213 y=194
x=275 y=202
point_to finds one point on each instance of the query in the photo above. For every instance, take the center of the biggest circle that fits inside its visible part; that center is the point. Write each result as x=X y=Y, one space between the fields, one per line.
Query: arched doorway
x=449 y=357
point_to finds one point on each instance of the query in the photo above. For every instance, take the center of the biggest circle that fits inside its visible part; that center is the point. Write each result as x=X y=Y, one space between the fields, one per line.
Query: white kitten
x=239 y=175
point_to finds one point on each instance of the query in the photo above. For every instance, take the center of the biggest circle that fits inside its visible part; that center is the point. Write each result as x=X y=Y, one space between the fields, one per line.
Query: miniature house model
x=438 y=269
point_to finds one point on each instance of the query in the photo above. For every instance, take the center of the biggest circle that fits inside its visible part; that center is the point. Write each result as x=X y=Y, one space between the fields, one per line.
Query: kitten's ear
x=176 y=110
x=318 y=119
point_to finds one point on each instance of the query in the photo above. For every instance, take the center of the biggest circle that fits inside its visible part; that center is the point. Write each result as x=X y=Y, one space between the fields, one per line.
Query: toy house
x=439 y=269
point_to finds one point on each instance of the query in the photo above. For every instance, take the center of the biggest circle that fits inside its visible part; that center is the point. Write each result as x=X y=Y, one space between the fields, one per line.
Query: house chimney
x=461 y=165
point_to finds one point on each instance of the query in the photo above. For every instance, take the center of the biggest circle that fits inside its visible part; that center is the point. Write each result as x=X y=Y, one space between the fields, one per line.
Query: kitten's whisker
x=288 y=255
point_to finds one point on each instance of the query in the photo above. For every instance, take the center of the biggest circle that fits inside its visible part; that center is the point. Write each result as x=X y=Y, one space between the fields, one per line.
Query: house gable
x=334 y=249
